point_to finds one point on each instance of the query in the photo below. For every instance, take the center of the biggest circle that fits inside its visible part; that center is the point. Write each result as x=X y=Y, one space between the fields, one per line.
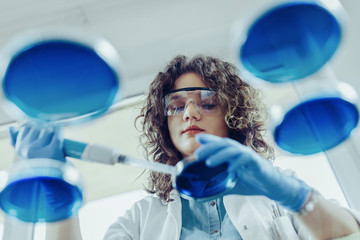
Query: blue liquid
x=200 y=181
x=41 y=199
x=58 y=80
x=290 y=42
x=316 y=125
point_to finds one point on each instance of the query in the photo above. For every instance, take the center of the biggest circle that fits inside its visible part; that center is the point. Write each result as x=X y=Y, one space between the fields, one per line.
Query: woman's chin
x=189 y=148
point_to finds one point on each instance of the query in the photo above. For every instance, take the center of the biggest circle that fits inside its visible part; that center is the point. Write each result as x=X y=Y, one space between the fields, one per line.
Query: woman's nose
x=191 y=112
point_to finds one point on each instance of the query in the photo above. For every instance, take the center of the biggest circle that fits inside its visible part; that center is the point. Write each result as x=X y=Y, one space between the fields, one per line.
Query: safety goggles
x=203 y=99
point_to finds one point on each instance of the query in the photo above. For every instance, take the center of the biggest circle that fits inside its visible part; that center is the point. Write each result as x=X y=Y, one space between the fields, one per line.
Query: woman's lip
x=192 y=131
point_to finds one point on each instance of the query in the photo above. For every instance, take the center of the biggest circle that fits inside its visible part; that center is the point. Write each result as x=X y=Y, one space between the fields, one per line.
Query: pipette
x=103 y=154
x=193 y=179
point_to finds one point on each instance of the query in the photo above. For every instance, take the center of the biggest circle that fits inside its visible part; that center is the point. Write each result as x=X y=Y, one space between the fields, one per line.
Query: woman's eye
x=179 y=108
x=208 y=106
x=176 y=108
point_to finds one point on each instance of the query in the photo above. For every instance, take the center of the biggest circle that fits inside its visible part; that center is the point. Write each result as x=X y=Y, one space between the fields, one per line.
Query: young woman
x=201 y=107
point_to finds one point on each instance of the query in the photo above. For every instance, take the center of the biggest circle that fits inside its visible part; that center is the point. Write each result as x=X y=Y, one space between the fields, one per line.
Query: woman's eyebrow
x=176 y=97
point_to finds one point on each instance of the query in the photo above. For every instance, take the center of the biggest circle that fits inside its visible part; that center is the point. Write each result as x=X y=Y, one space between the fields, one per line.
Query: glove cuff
x=297 y=198
x=309 y=205
x=302 y=197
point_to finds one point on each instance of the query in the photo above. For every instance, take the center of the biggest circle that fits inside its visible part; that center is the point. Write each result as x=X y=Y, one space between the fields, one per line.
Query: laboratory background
x=146 y=35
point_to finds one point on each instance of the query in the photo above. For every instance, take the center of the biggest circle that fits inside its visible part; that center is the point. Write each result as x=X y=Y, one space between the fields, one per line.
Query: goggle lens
x=204 y=100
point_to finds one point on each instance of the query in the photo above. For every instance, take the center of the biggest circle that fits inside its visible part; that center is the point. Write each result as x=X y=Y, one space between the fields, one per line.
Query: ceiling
x=146 y=35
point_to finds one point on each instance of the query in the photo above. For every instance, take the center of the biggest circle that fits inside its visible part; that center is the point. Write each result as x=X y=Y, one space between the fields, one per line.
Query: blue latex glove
x=37 y=141
x=255 y=175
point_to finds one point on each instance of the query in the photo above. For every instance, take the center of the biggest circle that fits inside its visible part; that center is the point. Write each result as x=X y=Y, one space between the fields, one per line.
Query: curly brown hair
x=245 y=113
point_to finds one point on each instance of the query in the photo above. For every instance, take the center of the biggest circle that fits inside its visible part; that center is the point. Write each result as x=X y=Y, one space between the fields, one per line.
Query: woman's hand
x=255 y=175
x=33 y=140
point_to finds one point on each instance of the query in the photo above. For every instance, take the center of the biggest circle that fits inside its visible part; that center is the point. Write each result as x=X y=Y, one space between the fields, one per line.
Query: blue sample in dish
x=290 y=42
x=316 y=125
x=198 y=181
x=41 y=199
x=57 y=80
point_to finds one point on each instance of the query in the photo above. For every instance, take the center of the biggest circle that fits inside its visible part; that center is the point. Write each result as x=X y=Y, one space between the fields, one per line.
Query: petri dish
x=290 y=41
x=316 y=125
x=197 y=181
x=59 y=77
x=42 y=190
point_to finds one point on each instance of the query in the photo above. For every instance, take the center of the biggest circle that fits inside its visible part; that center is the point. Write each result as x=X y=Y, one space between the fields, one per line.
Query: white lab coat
x=151 y=218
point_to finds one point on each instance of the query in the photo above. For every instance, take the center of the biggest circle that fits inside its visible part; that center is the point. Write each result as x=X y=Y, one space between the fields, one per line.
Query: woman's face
x=183 y=128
